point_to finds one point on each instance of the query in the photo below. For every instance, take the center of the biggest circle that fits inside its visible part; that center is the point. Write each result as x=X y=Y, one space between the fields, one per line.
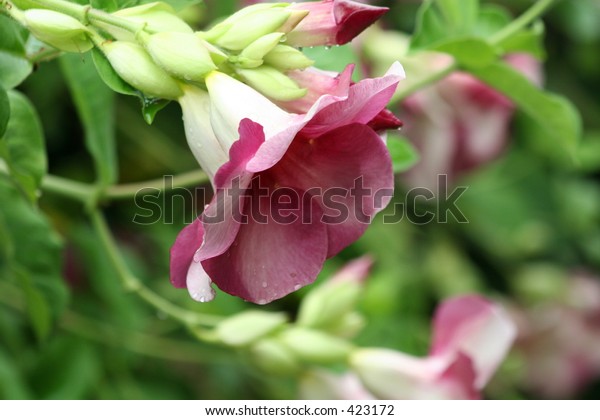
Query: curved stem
x=132 y=283
x=190 y=179
x=13 y=11
x=74 y=190
x=531 y=14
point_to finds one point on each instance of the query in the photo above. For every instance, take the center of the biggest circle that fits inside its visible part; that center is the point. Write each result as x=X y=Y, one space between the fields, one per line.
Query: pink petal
x=219 y=219
x=355 y=271
x=318 y=83
x=182 y=252
x=366 y=99
x=337 y=160
x=332 y=22
x=476 y=327
x=459 y=379
x=269 y=259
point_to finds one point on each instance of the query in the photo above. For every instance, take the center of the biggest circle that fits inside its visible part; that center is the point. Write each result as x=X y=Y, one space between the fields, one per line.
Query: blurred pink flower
x=560 y=341
x=459 y=124
x=332 y=22
x=471 y=337
x=250 y=242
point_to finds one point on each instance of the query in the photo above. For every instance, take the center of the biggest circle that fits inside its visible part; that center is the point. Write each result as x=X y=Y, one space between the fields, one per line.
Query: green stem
x=190 y=179
x=13 y=11
x=86 y=14
x=531 y=14
x=426 y=81
x=66 y=7
x=133 y=284
x=74 y=190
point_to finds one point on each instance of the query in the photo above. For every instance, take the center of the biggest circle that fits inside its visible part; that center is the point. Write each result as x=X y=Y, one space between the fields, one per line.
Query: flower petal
x=182 y=252
x=476 y=327
x=269 y=258
x=366 y=99
x=345 y=163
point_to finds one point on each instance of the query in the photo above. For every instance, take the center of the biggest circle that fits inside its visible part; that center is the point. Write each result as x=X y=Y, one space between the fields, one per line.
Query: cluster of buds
x=326 y=320
x=156 y=52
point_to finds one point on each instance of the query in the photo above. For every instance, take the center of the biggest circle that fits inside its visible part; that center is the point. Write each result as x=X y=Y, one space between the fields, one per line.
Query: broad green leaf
x=67 y=369
x=529 y=41
x=14 y=66
x=22 y=146
x=38 y=308
x=492 y=18
x=470 y=52
x=95 y=106
x=4 y=111
x=12 y=384
x=404 y=155
x=36 y=248
x=443 y=20
x=556 y=115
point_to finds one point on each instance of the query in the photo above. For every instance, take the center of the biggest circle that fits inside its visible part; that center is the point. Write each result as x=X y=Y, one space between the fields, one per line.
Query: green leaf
x=38 y=308
x=22 y=146
x=443 y=20
x=35 y=259
x=334 y=58
x=555 y=114
x=95 y=106
x=12 y=384
x=529 y=41
x=14 y=66
x=470 y=52
x=404 y=155
x=492 y=18
x=4 y=111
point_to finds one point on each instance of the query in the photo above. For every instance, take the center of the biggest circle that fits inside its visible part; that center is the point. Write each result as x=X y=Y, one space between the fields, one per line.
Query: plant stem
x=87 y=14
x=74 y=190
x=13 y=11
x=133 y=284
x=531 y=14
x=426 y=81
x=189 y=179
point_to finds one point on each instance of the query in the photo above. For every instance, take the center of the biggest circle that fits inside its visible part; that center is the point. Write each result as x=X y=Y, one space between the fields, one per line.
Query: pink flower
x=291 y=189
x=559 y=340
x=332 y=22
x=471 y=336
x=459 y=124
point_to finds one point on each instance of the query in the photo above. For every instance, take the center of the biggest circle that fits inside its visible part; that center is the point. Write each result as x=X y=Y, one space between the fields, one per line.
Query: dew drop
x=262 y=302
x=297 y=286
x=264 y=284
x=328 y=47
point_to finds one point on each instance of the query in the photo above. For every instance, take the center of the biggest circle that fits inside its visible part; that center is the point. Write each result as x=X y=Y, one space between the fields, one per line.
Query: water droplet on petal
x=327 y=47
x=264 y=284
x=297 y=286
x=262 y=302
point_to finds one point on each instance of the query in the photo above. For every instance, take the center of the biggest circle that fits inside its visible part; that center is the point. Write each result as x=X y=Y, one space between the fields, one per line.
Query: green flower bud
x=60 y=31
x=274 y=358
x=326 y=305
x=315 y=346
x=272 y=83
x=348 y=326
x=136 y=67
x=238 y=34
x=245 y=328
x=284 y=57
x=252 y=55
x=182 y=55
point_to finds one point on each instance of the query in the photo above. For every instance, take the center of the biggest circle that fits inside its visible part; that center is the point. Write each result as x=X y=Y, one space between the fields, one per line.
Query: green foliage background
x=69 y=329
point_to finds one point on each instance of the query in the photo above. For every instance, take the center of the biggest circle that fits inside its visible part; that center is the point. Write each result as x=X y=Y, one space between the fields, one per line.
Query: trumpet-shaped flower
x=291 y=190
x=471 y=336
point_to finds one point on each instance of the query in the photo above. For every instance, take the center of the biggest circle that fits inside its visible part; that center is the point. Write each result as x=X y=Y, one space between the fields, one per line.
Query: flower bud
x=274 y=358
x=245 y=328
x=180 y=54
x=332 y=22
x=60 y=31
x=238 y=32
x=284 y=57
x=136 y=67
x=252 y=55
x=348 y=326
x=325 y=306
x=272 y=83
x=314 y=346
